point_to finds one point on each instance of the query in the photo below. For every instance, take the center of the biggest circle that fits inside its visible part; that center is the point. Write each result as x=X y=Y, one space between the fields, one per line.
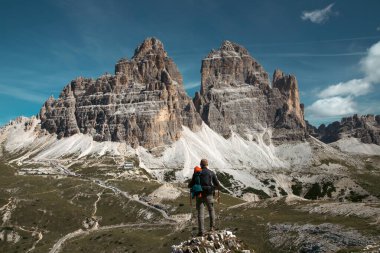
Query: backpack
x=202 y=182
x=196 y=189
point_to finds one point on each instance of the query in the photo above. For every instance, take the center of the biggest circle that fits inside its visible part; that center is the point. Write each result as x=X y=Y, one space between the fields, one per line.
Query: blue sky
x=329 y=45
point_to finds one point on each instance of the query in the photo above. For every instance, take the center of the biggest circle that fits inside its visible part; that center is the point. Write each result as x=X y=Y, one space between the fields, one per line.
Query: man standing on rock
x=208 y=181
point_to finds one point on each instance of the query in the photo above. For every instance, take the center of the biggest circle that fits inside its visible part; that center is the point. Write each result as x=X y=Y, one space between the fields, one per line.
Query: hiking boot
x=212 y=229
x=200 y=234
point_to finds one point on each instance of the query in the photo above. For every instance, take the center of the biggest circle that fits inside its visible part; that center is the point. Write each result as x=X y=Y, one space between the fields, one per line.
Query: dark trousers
x=209 y=202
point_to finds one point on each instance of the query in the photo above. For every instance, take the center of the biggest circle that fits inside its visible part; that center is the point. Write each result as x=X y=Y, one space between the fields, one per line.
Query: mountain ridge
x=145 y=104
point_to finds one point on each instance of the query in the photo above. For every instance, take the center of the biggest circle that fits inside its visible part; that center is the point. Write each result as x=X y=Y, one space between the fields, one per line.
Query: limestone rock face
x=366 y=128
x=144 y=103
x=293 y=110
x=236 y=95
x=231 y=66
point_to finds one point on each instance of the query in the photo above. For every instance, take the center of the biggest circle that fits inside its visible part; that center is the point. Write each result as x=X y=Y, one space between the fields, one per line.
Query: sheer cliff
x=144 y=103
x=236 y=95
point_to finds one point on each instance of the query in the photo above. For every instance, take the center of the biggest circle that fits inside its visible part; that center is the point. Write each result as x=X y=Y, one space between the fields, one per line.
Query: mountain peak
x=150 y=46
x=277 y=74
x=227 y=45
x=233 y=47
x=228 y=49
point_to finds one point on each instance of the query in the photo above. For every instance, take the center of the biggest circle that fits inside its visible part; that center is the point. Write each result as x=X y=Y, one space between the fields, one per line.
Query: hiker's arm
x=215 y=182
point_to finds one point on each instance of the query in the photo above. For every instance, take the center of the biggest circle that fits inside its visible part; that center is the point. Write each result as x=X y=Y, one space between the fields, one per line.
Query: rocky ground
x=212 y=242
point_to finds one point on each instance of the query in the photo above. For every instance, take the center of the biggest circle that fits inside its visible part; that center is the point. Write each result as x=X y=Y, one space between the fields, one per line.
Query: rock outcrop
x=215 y=242
x=144 y=103
x=324 y=237
x=292 y=115
x=365 y=127
x=236 y=96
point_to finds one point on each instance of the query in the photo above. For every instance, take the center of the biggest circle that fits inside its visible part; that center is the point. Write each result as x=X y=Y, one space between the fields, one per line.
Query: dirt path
x=34 y=233
x=58 y=245
x=64 y=170
x=7 y=210
x=96 y=203
x=128 y=196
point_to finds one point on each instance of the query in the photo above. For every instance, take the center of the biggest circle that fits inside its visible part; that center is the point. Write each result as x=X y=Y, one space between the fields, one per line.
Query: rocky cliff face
x=236 y=95
x=366 y=128
x=144 y=103
x=292 y=111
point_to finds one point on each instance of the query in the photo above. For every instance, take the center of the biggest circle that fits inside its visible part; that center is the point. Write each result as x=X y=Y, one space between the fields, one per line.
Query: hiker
x=203 y=185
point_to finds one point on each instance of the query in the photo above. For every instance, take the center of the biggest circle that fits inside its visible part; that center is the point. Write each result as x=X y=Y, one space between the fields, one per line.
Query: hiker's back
x=206 y=181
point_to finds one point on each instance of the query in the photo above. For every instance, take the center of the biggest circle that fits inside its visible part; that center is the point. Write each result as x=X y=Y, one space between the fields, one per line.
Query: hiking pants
x=209 y=201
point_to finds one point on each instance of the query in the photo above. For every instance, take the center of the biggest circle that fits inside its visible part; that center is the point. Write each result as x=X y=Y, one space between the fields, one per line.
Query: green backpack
x=197 y=188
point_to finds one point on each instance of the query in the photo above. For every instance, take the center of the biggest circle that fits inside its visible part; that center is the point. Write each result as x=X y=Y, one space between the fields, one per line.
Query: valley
x=80 y=208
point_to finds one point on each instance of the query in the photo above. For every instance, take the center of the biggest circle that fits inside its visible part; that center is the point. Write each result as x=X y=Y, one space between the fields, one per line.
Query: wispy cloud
x=332 y=107
x=310 y=55
x=22 y=94
x=338 y=99
x=319 y=16
x=354 y=87
x=378 y=28
x=192 y=85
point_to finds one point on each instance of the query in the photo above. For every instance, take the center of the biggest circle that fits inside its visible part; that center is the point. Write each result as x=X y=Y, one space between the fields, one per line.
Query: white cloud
x=338 y=99
x=371 y=64
x=192 y=85
x=318 y=16
x=22 y=94
x=354 y=87
x=331 y=107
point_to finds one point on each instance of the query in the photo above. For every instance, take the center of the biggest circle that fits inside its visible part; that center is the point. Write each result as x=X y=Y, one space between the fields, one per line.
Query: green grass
x=369 y=181
x=250 y=224
x=57 y=206
x=136 y=186
x=23 y=245
x=115 y=209
x=369 y=176
x=128 y=240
